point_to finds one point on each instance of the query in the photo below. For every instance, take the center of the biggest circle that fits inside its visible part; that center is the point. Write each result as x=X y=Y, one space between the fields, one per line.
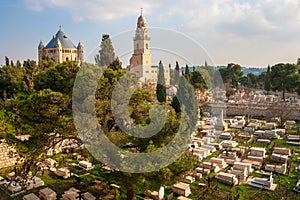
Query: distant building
x=141 y=60
x=61 y=49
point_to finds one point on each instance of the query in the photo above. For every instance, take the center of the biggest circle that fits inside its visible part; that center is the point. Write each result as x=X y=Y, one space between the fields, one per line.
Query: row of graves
x=49 y=194
x=202 y=145
x=65 y=173
x=234 y=165
x=18 y=185
x=242 y=168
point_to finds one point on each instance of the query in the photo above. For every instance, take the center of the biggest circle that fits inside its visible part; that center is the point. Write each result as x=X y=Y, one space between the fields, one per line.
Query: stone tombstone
x=161 y=193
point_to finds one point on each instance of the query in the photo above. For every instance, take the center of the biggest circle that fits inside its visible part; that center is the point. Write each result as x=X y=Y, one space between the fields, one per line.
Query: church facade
x=141 y=59
x=61 y=49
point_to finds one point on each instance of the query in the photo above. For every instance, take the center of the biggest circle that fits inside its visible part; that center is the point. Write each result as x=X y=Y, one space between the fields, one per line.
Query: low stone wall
x=289 y=112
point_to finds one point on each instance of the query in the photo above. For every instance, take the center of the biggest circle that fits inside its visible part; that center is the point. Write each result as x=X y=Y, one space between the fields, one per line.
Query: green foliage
x=140 y=104
x=267 y=82
x=251 y=81
x=284 y=78
x=174 y=74
x=116 y=64
x=31 y=69
x=198 y=81
x=6 y=61
x=161 y=84
x=106 y=54
x=42 y=112
x=59 y=78
x=232 y=74
x=11 y=81
x=187 y=72
x=6 y=126
x=103 y=97
x=176 y=104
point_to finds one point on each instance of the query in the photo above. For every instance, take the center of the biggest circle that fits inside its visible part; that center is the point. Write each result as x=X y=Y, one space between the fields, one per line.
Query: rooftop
x=63 y=38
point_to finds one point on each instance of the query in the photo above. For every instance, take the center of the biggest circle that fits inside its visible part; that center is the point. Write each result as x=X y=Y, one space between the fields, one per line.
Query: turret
x=58 y=53
x=80 y=50
x=40 y=51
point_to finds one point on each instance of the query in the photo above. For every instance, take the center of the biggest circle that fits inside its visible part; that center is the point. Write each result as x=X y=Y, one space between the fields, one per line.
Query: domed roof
x=141 y=21
x=63 y=39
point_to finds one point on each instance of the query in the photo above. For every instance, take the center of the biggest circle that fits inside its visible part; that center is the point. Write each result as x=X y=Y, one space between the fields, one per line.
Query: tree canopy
x=106 y=53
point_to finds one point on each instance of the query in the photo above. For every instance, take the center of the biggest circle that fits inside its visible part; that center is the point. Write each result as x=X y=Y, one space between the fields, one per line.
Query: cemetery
x=222 y=160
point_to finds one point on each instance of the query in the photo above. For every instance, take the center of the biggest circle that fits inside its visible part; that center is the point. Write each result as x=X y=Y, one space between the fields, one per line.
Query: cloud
x=250 y=24
x=94 y=9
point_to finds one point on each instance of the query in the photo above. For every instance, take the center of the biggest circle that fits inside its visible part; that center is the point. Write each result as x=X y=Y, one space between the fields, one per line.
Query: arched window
x=146 y=45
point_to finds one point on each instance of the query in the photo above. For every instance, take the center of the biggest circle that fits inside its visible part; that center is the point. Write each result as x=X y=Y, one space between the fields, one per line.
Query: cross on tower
x=141 y=11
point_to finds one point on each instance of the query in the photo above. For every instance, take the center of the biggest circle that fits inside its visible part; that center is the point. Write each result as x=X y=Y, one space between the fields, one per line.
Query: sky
x=252 y=33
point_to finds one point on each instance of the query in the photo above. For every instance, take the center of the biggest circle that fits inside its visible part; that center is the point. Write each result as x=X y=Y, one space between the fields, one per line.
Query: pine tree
x=161 y=84
x=106 y=54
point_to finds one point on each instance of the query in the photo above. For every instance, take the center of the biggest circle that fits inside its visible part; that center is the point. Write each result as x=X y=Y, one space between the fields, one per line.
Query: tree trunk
x=131 y=193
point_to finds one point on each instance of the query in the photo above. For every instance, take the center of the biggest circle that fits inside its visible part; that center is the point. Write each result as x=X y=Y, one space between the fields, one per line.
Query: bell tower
x=140 y=62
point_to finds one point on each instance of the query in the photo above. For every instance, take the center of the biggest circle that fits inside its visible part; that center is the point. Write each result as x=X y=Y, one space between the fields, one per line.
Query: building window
x=67 y=58
x=147 y=71
x=146 y=45
x=137 y=46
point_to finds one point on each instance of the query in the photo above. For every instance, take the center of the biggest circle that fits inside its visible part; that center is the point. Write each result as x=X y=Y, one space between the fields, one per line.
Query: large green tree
x=106 y=53
x=59 y=78
x=232 y=74
x=197 y=80
x=11 y=81
x=284 y=78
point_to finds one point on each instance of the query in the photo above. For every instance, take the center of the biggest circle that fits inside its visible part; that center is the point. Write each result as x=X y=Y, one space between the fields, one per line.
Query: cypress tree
x=6 y=61
x=177 y=67
x=267 y=84
x=161 y=84
x=187 y=72
x=176 y=104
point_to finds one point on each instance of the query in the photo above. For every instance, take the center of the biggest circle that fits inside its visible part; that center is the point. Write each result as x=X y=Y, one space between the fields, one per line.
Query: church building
x=61 y=49
x=141 y=60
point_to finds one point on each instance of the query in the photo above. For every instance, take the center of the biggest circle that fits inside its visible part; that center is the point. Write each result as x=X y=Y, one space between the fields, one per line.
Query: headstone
x=161 y=193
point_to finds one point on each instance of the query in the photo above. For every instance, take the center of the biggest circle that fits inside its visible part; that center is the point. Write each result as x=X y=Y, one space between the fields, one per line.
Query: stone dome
x=141 y=22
